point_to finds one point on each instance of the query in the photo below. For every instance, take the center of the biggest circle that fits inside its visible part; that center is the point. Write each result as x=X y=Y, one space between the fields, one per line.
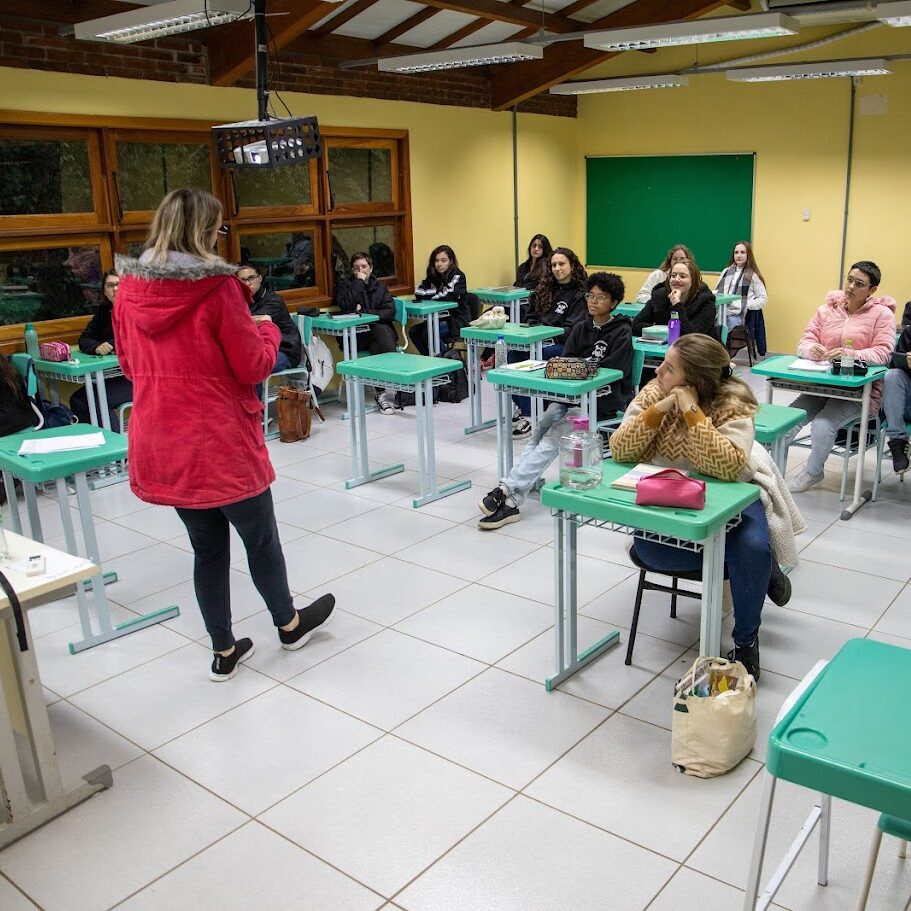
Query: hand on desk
x=833 y=353
x=104 y=348
x=818 y=353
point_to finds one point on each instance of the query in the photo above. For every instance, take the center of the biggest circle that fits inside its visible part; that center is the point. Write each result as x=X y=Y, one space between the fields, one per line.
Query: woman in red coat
x=186 y=339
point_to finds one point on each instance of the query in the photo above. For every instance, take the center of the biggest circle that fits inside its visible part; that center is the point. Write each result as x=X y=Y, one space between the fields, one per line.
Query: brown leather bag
x=294 y=416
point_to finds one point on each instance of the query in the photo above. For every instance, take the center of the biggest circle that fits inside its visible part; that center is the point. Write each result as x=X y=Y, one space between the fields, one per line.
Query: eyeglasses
x=223 y=230
x=249 y=279
x=600 y=298
x=111 y=286
x=855 y=283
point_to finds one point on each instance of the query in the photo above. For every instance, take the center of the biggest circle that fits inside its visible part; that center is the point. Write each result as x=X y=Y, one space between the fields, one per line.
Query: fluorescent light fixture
x=161 y=19
x=894 y=14
x=629 y=84
x=701 y=31
x=480 y=55
x=826 y=70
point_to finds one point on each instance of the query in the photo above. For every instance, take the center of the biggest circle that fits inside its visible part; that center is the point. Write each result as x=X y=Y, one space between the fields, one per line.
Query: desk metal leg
x=349 y=353
x=589 y=405
x=473 y=369
x=357 y=438
x=427 y=466
x=31 y=504
x=9 y=486
x=713 y=581
x=569 y=659
x=535 y=353
x=860 y=495
x=515 y=311
x=433 y=334
x=504 y=432
x=103 y=415
x=90 y=399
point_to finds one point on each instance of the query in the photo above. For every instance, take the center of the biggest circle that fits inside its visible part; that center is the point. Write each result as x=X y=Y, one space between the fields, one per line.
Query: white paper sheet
x=46 y=445
x=803 y=363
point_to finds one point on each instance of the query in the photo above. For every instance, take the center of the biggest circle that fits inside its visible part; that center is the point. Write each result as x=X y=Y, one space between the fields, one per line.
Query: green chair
x=891 y=825
x=401 y=321
x=635 y=375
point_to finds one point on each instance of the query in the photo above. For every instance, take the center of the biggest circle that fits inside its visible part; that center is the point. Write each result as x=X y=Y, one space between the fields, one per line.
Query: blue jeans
x=747 y=559
x=548 y=351
x=539 y=452
x=897 y=403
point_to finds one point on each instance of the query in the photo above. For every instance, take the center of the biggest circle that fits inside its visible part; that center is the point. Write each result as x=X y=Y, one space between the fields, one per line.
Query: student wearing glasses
x=98 y=338
x=856 y=315
x=267 y=302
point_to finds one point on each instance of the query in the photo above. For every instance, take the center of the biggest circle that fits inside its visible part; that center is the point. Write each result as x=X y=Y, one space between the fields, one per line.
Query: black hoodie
x=269 y=303
x=612 y=346
x=372 y=296
x=696 y=316
x=567 y=308
x=899 y=358
x=100 y=329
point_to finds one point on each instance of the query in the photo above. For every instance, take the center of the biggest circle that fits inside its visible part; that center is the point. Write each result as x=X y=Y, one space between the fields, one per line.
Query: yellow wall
x=461 y=158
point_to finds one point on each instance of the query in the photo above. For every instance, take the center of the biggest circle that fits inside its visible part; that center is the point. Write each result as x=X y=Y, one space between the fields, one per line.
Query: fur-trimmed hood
x=162 y=294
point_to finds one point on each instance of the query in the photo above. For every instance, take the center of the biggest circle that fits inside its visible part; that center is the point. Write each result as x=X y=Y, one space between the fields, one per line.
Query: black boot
x=779 y=590
x=899 y=450
x=748 y=656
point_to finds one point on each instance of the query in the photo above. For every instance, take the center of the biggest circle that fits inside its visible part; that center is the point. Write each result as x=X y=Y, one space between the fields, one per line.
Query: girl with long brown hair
x=742 y=277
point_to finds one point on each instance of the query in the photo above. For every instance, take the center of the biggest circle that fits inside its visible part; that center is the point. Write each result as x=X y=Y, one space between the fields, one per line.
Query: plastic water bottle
x=581 y=456
x=847 y=358
x=31 y=341
x=673 y=327
x=499 y=352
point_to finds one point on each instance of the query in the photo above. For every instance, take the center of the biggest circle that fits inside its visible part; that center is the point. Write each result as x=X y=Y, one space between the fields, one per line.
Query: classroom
x=448 y=743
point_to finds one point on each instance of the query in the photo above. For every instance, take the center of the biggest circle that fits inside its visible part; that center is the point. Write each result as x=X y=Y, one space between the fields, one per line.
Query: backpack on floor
x=456 y=389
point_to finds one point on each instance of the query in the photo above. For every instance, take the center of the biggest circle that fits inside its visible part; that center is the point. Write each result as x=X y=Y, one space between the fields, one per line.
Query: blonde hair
x=706 y=366
x=186 y=221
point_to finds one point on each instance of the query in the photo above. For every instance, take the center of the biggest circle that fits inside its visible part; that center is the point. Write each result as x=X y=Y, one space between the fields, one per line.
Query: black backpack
x=456 y=389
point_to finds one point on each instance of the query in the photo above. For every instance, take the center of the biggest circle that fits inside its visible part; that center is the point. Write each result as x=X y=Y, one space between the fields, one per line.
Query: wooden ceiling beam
x=333 y=49
x=476 y=26
x=346 y=15
x=497 y=11
x=411 y=22
x=565 y=59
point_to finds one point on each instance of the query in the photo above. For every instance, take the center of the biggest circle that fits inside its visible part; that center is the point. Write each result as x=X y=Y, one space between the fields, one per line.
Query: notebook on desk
x=629 y=480
x=502 y=288
x=803 y=363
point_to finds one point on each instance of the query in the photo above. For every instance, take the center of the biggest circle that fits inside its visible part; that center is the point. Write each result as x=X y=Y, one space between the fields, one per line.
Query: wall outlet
x=806 y=214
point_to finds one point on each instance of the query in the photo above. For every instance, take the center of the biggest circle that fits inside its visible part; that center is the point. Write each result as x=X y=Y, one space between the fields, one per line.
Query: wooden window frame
x=260 y=213
x=363 y=208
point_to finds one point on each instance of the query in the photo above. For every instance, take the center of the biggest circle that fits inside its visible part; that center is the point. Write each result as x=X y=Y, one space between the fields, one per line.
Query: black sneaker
x=492 y=501
x=309 y=619
x=748 y=656
x=899 y=450
x=779 y=590
x=224 y=667
x=505 y=515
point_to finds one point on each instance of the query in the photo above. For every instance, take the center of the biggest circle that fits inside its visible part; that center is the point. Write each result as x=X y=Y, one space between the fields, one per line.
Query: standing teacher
x=186 y=339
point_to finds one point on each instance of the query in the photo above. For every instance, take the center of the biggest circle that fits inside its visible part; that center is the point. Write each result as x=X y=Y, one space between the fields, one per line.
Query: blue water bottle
x=673 y=327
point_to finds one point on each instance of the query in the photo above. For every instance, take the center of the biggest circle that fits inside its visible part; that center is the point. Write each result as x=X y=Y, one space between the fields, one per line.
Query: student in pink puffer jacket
x=868 y=321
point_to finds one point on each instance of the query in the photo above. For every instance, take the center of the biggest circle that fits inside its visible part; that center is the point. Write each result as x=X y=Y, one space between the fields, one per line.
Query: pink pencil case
x=54 y=351
x=671 y=488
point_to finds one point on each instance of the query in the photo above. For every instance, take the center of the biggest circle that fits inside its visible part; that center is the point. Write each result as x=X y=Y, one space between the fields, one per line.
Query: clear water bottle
x=499 y=352
x=31 y=341
x=581 y=457
x=847 y=358
x=673 y=327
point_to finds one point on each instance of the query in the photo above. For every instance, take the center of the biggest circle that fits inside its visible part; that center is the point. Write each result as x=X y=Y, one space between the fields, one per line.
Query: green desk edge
x=422 y=308
x=85 y=363
x=353 y=319
x=535 y=381
x=628 y=308
x=778 y=368
x=40 y=468
x=771 y=421
x=513 y=332
x=655 y=349
x=723 y=501
x=398 y=368
x=847 y=734
x=491 y=294
x=726 y=299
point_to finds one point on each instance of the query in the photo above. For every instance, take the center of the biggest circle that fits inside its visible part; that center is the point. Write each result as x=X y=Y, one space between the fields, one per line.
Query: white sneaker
x=804 y=481
x=384 y=404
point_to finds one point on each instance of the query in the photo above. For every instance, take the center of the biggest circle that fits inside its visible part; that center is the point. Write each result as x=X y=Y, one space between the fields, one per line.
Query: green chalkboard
x=639 y=206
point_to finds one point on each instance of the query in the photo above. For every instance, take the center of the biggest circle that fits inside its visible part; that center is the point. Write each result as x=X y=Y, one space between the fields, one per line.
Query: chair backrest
x=306 y=329
x=23 y=363
x=401 y=320
x=635 y=370
x=474 y=304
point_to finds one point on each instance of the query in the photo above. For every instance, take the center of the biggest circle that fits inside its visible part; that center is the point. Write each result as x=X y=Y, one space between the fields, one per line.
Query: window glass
x=42 y=177
x=49 y=283
x=360 y=175
x=285 y=259
x=377 y=240
x=146 y=172
x=285 y=186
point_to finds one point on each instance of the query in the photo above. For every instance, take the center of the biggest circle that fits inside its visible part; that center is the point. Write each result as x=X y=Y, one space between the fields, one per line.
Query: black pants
x=381 y=338
x=419 y=335
x=119 y=391
x=254 y=520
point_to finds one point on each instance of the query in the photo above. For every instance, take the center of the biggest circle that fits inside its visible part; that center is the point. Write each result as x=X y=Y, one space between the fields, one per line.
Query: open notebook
x=629 y=480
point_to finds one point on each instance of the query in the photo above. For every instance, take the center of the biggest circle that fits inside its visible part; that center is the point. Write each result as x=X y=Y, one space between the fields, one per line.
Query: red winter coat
x=185 y=338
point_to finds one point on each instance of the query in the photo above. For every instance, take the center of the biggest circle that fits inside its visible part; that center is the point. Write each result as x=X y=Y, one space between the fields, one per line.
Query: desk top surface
x=513 y=332
x=778 y=368
x=723 y=501
x=655 y=349
x=423 y=308
x=48 y=467
x=773 y=420
x=726 y=298
x=628 y=308
x=329 y=323
x=848 y=735
x=79 y=364
x=396 y=367
x=535 y=381
x=503 y=295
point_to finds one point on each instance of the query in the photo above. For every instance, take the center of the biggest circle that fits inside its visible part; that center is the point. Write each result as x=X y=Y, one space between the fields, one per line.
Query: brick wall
x=38 y=46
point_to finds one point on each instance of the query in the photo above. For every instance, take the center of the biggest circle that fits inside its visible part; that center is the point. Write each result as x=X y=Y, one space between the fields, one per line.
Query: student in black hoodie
x=897 y=401
x=537 y=265
x=687 y=294
x=444 y=282
x=558 y=300
x=363 y=293
x=98 y=338
x=601 y=337
x=267 y=302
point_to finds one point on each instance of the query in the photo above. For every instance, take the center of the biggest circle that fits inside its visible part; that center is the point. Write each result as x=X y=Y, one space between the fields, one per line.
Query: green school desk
x=508 y=382
x=844 y=736
x=772 y=423
x=628 y=308
x=509 y=297
x=90 y=370
x=721 y=306
x=56 y=467
x=408 y=373
x=778 y=375
x=529 y=339
x=654 y=351
x=604 y=506
x=429 y=312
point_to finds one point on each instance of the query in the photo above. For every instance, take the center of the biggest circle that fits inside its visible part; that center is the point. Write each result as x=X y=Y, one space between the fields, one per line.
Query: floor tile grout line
x=22 y=891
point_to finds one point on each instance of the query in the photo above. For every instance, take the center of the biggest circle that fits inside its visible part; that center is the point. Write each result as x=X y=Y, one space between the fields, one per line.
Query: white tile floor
x=409 y=757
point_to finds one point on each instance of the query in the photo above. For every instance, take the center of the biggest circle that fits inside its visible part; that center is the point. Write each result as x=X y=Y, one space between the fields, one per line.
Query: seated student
x=857 y=315
x=536 y=266
x=688 y=295
x=98 y=338
x=17 y=412
x=897 y=401
x=696 y=416
x=362 y=292
x=743 y=278
x=444 y=282
x=269 y=303
x=558 y=300
x=601 y=337
x=676 y=254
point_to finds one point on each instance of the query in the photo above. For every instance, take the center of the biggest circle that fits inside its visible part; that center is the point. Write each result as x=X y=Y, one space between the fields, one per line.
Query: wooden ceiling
x=365 y=30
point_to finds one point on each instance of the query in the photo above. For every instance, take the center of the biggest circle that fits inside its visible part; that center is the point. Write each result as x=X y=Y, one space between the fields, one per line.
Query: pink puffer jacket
x=871 y=329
